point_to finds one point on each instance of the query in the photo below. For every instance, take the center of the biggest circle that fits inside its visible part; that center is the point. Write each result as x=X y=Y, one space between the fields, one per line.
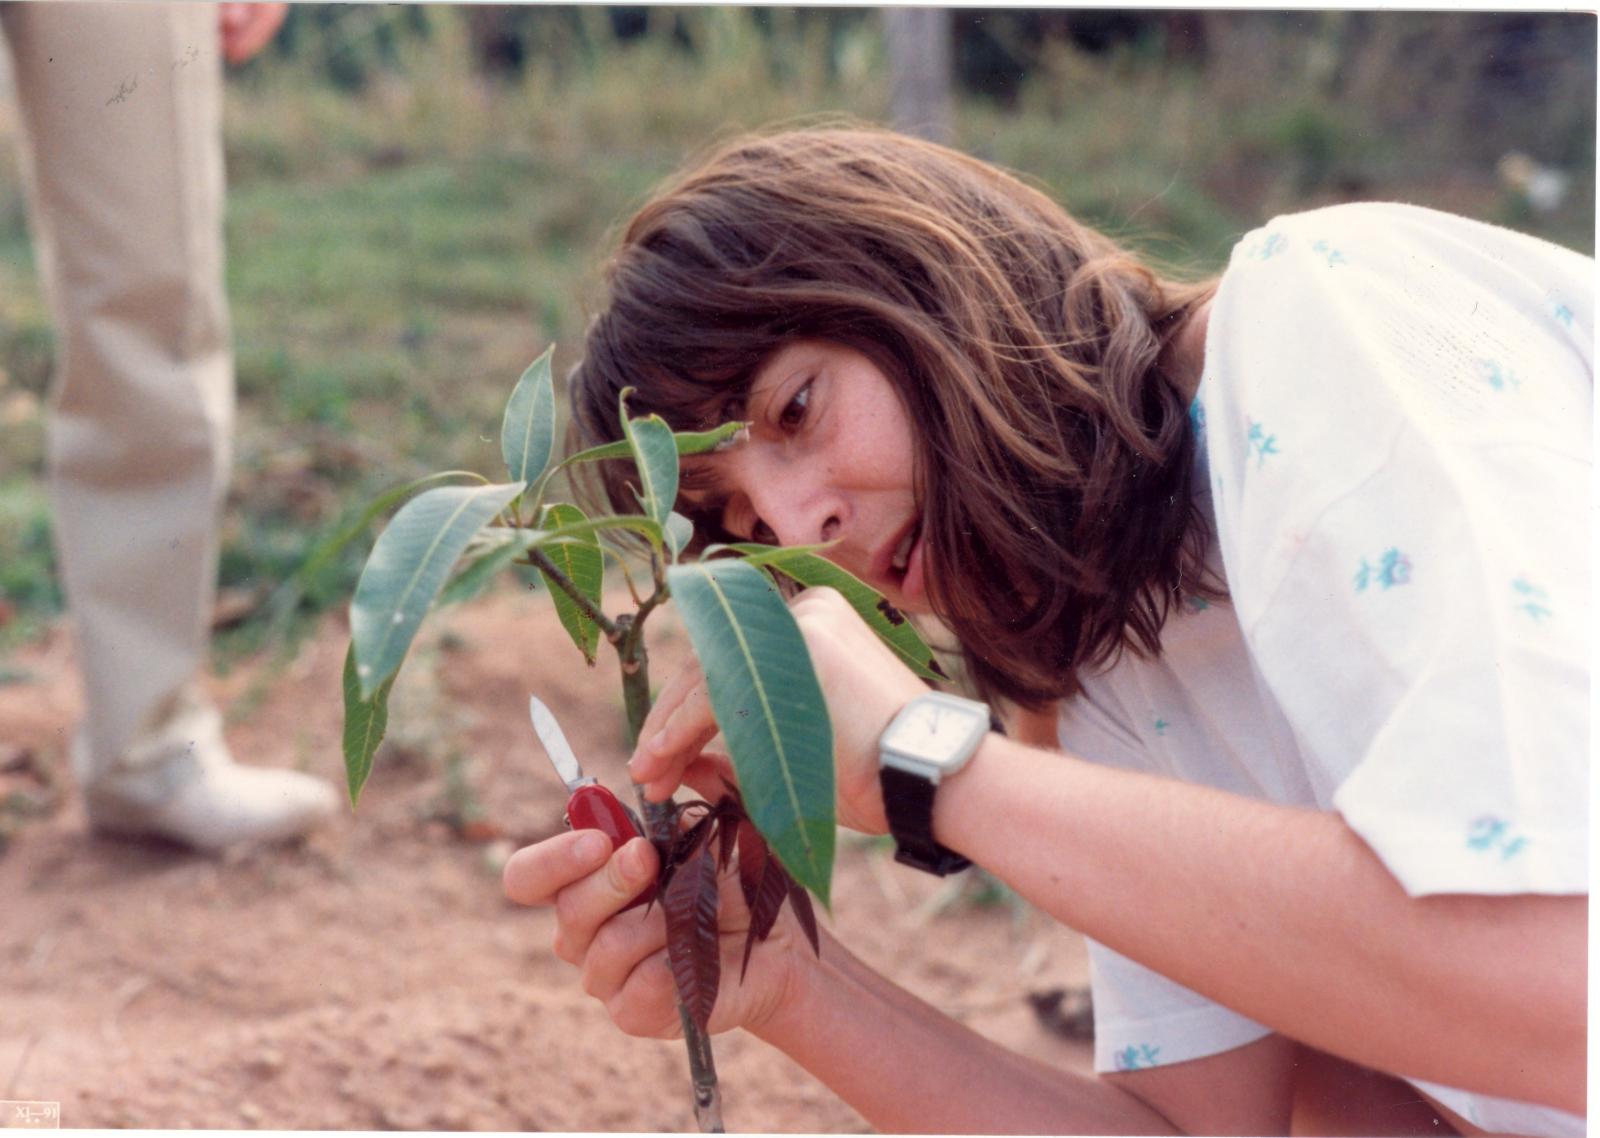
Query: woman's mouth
x=902 y=552
x=906 y=566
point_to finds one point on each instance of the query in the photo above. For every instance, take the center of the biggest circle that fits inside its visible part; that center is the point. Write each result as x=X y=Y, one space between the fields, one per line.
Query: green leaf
x=408 y=566
x=766 y=699
x=584 y=531
x=891 y=625
x=656 y=456
x=581 y=562
x=365 y=721
x=528 y=430
x=685 y=442
x=288 y=595
x=581 y=531
x=679 y=533
x=471 y=581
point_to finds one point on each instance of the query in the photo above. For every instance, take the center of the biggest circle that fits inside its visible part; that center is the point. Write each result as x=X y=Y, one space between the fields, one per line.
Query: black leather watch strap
x=908 y=802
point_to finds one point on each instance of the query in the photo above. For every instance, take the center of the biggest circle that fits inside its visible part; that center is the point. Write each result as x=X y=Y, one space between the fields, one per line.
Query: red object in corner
x=593 y=807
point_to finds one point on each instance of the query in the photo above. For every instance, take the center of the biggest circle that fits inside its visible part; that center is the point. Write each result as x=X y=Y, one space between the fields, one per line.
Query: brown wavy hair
x=1054 y=453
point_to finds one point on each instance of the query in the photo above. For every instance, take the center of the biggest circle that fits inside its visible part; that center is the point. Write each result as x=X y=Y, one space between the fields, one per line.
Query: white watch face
x=932 y=731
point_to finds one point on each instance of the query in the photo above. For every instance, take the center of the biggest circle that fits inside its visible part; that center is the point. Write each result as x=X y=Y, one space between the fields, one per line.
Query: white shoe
x=199 y=796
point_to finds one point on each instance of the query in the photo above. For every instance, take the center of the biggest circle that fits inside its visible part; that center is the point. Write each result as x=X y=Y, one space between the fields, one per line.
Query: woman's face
x=829 y=459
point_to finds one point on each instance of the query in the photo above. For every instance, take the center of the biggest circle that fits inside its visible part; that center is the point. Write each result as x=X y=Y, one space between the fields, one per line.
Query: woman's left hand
x=247 y=28
x=862 y=680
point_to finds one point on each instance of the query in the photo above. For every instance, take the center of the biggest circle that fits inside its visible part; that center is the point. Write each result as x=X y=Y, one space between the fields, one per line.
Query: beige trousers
x=121 y=112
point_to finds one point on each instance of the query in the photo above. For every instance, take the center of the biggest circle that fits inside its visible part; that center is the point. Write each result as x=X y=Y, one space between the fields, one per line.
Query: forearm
x=906 y=1067
x=1286 y=916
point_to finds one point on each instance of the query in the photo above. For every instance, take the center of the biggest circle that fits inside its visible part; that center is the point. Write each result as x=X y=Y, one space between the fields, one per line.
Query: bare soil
x=373 y=976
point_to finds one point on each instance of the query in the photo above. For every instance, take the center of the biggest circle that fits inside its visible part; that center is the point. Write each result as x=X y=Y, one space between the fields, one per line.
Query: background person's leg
x=121 y=107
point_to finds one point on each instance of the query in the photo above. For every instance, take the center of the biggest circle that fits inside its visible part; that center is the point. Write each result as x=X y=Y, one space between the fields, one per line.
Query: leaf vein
x=422 y=564
x=766 y=704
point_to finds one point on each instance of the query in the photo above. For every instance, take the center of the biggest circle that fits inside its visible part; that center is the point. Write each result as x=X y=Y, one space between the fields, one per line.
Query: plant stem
x=540 y=560
x=629 y=643
x=626 y=634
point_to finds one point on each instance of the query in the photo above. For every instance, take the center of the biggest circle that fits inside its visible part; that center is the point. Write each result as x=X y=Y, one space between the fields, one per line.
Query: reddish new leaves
x=765 y=885
x=691 y=862
x=690 y=903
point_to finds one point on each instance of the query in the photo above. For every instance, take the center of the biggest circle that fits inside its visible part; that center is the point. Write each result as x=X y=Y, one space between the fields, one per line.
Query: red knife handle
x=593 y=807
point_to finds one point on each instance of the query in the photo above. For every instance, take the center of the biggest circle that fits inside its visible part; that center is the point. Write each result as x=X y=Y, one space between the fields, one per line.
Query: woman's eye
x=794 y=412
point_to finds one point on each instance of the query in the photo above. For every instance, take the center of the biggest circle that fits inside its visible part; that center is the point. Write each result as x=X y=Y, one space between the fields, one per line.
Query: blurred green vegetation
x=420 y=196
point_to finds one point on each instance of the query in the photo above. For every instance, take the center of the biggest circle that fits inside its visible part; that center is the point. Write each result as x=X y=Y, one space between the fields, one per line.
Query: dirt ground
x=373 y=977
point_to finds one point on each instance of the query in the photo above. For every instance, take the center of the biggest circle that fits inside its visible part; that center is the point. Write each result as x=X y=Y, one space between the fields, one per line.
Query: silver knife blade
x=556 y=745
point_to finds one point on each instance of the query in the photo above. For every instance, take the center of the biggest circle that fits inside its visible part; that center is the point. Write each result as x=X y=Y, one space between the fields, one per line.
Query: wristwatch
x=930 y=739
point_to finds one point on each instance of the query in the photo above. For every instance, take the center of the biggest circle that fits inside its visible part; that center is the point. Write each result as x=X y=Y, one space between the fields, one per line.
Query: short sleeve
x=1398 y=410
x=1142 y=1019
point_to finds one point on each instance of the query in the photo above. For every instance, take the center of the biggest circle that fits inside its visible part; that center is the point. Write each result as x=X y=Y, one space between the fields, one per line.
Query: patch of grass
x=28 y=584
x=27 y=345
x=1129 y=154
x=398 y=255
x=404 y=237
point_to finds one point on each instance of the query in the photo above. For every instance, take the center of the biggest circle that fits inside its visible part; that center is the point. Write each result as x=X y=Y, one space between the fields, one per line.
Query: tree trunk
x=920 y=99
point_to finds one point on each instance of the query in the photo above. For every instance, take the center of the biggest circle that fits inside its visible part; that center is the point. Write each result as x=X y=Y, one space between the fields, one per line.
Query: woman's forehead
x=796 y=354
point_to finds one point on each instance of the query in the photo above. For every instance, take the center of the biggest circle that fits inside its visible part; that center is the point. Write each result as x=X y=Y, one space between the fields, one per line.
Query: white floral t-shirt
x=1395 y=419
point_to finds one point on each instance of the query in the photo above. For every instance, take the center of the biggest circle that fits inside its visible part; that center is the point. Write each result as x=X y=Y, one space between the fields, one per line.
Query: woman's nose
x=801 y=530
x=803 y=518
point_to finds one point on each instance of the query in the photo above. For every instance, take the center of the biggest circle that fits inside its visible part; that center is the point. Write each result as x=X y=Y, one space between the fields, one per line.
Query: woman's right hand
x=864 y=684
x=622 y=957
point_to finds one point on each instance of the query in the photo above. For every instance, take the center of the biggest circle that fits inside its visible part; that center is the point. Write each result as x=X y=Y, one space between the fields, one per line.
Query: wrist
x=951 y=806
x=924 y=749
x=790 y=1010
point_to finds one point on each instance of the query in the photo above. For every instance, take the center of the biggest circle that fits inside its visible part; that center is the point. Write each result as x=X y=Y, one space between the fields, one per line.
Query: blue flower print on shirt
x=1161 y=725
x=1393 y=568
x=1260 y=443
x=1530 y=598
x=1197 y=417
x=1267 y=246
x=1136 y=1058
x=1330 y=254
x=1558 y=309
x=1498 y=377
x=1490 y=834
x=1196 y=604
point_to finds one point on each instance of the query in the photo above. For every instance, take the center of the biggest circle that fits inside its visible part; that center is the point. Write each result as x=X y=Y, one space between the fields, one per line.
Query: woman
x=1297 y=559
